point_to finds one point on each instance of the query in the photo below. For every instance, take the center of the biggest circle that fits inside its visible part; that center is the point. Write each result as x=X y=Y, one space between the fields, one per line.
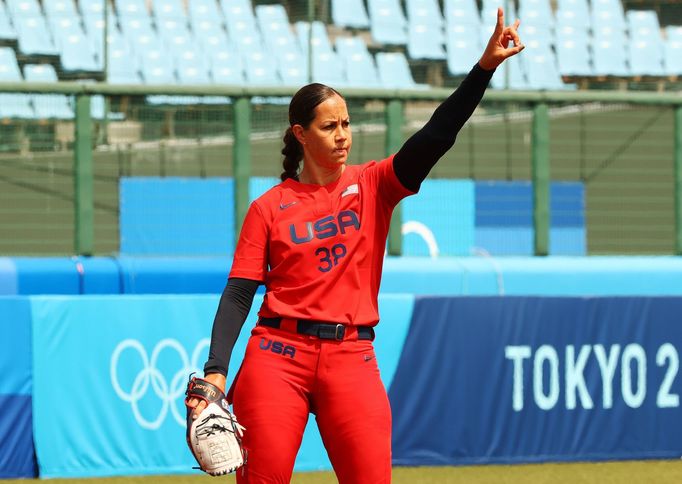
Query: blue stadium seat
x=89 y=8
x=645 y=56
x=204 y=9
x=7 y=31
x=541 y=67
x=132 y=9
x=572 y=18
x=292 y=68
x=239 y=18
x=13 y=105
x=673 y=56
x=227 y=67
x=123 y=65
x=192 y=67
x=517 y=76
x=169 y=9
x=673 y=32
x=461 y=12
x=607 y=12
x=328 y=69
x=47 y=106
x=94 y=30
x=580 y=7
x=60 y=8
x=539 y=32
x=34 y=36
x=643 y=22
x=276 y=30
x=394 y=71
x=609 y=57
x=350 y=14
x=425 y=12
x=260 y=70
x=573 y=54
x=463 y=48
x=23 y=8
x=75 y=49
x=173 y=31
x=361 y=71
x=321 y=41
x=387 y=22
x=209 y=36
x=536 y=13
x=425 y=42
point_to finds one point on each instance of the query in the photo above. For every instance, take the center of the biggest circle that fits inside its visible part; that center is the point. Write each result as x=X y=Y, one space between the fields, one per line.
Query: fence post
x=241 y=170
x=84 y=203
x=540 y=161
x=678 y=179
x=394 y=139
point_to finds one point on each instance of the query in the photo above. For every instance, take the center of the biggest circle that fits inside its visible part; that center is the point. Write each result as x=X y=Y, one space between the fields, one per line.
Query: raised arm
x=414 y=160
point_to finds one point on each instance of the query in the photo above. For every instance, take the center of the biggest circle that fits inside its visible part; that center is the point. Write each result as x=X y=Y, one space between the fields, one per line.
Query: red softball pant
x=284 y=377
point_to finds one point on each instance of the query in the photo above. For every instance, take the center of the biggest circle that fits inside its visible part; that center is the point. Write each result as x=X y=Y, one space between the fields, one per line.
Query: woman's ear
x=299 y=132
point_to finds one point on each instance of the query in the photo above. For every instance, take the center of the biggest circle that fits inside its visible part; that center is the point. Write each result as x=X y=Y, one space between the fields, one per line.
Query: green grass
x=630 y=472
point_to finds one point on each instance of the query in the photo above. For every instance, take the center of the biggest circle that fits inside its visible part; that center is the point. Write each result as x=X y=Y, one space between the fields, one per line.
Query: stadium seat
x=47 y=106
x=170 y=9
x=358 y=63
x=463 y=48
x=387 y=22
x=517 y=76
x=132 y=9
x=60 y=8
x=424 y=12
x=672 y=57
x=609 y=58
x=260 y=70
x=461 y=12
x=23 y=8
x=425 y=42
x=209 y=37
x=92 y=8
x=541 y=67
x=7 y=31
x=75 y=50
x=173 y=31
x=328 y=69
x=539 y=32
x=535 y=13
x=292 y=68
x=239 y=18
x=644 y=22
x=204 y=9
x=123 y=65
x=191 y=67
x=227 y=67
x=573 y=54
x=350 y=14
x=320 y=39
x=645 y=57
x=33 y=36
x=276 y=30
x=607 y=12
x=13 y=105
x=673 y=32
x=571 y=18
x=394 y=71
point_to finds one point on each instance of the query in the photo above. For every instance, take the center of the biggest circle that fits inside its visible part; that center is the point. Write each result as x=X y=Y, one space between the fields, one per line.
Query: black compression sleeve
x=423 y=149
x=234 y=307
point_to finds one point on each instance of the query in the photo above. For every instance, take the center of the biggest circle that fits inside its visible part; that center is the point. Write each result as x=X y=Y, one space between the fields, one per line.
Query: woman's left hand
x=498 y=48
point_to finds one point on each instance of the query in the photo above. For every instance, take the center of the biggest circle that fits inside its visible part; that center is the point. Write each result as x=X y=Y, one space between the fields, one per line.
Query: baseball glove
x=214 y=437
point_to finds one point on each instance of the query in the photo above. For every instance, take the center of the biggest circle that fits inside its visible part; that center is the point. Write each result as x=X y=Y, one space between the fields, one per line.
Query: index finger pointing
x=500 y=20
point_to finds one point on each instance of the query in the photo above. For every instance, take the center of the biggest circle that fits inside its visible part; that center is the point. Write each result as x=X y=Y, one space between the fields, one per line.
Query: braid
x=293 y=154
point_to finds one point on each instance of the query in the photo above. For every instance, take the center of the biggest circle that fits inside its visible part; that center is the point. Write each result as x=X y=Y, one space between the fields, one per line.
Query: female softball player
x=317 y=242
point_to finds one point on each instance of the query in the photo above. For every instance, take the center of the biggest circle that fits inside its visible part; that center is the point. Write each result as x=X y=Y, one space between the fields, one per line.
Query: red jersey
x=320 y=249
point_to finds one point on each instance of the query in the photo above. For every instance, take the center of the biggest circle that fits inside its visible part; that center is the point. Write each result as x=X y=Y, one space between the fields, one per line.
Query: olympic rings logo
x=150 y=376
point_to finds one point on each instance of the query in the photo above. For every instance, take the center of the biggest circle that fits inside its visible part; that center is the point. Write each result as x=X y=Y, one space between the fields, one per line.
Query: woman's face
x=327 y=141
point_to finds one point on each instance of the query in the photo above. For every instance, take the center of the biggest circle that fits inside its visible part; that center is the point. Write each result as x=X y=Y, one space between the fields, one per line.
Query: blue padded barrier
x=17 y=457
x=49 y=275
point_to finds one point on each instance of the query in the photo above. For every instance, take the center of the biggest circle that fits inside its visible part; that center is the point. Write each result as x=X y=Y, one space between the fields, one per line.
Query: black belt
x=320 y=329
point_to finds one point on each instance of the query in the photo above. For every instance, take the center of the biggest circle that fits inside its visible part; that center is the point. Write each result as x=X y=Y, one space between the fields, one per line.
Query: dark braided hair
x=301 y=111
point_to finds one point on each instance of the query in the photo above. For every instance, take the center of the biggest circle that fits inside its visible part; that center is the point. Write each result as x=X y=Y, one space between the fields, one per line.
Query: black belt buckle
x=339 y=332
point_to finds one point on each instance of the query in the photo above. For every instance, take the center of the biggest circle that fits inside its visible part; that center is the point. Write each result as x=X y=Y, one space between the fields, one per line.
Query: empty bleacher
x=366 y=43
